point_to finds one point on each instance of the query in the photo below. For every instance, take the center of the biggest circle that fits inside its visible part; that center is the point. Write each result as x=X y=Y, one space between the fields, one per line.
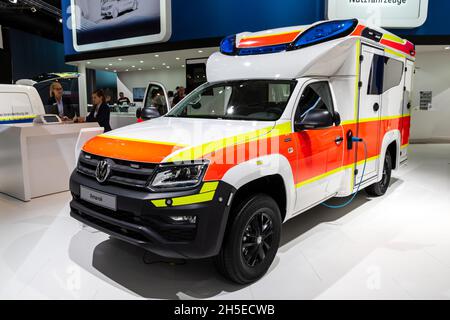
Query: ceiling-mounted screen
x=105 y=24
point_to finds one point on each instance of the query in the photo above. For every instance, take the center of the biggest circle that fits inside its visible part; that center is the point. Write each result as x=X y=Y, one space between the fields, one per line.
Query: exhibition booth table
x=36 y=159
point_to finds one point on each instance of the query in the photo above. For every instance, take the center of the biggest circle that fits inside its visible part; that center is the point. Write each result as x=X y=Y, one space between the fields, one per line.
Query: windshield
x=261 y=100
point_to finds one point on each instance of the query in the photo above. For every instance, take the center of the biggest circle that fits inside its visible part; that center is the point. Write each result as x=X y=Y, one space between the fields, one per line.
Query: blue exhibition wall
x=34 y=55
x=197 y=19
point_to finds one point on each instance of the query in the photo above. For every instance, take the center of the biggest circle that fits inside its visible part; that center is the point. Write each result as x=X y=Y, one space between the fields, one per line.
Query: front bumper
x=142 y=221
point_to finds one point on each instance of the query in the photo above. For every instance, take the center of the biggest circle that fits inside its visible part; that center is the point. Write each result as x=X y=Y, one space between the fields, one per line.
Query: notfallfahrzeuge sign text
x=383 y=13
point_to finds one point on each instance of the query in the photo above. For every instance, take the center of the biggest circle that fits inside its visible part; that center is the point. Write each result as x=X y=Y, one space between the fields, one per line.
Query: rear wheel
x=252 y=240
x=378 y=189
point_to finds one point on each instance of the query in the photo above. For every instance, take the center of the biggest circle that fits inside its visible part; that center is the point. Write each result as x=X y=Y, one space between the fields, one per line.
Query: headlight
x=178 y=176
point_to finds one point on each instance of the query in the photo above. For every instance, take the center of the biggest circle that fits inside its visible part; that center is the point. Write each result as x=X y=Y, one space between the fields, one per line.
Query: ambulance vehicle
x=288 y=119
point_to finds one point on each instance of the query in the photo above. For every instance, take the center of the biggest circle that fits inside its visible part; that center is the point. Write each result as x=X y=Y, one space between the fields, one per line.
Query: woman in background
x=100 y=112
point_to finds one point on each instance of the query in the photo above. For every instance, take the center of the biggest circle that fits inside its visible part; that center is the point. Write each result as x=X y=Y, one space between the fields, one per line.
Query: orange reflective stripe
x=128 y=149
x=268 y=40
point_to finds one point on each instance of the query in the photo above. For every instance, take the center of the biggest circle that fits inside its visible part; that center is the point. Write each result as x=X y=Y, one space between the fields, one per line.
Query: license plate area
x=100 y=199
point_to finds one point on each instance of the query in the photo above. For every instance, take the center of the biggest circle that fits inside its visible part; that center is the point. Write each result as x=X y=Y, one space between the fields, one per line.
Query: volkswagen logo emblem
x=103 y=170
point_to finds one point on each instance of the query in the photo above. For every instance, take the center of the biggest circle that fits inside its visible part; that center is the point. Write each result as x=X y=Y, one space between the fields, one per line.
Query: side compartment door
x=369 y=111
x=320 y=150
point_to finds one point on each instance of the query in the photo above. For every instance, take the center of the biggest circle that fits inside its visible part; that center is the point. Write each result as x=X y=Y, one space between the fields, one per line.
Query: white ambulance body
x=289 y=118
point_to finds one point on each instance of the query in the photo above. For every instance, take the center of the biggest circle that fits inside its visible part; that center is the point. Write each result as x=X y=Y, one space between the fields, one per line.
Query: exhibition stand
x=37 y=160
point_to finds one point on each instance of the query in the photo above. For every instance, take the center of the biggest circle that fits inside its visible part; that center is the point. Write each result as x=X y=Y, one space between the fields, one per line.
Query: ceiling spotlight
x=106 y=68
x=164 y=64
x=182 y=66
x=168 y=67
x=133 y=66
x=447 y=48
x=140 y=69
x=110 y=64
x=153 y=68
x=177 y=58
x=60 y=20
x=120 y=59
x=156 y=55
x=200 y=51
x=13 y=1
x=33 y=9
x=126 y=70
x=142 y=61
x=88 y=62
x=115 y=71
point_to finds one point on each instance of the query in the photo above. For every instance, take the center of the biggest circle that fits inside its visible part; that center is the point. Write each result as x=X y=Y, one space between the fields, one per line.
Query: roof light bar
x=228 y=45
x=262 y=50
x=325 y=31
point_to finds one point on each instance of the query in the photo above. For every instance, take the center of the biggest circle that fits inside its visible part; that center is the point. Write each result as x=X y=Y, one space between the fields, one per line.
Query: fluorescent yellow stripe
x=159 y=203
x=206 y=194
x=209 y=186
x=393 y=38
x=196 y=152
x=404 y=146
x=196 y=198
x=142 y=140
x=329 y=173
x=182 y=201
x=395 y=53
x=17 y=117
x=375 y=119
x=356 y=102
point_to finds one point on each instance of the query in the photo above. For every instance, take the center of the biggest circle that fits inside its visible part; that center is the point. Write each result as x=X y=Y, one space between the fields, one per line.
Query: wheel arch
x=391 y=142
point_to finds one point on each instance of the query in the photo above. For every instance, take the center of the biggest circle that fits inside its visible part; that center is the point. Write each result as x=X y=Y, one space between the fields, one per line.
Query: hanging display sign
x=384 y=13
x=107 y=24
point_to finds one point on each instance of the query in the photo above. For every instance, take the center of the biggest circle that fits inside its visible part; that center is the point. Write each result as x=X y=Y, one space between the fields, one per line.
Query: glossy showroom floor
x=394 y=247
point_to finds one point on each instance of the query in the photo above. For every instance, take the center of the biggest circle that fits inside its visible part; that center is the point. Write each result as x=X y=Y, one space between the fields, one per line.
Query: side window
x=385 y=73
x=393 y=72
x=375 y=84
x=315 y=96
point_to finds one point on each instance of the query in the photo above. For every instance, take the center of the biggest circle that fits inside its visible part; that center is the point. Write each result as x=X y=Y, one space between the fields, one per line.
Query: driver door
x=320 y=150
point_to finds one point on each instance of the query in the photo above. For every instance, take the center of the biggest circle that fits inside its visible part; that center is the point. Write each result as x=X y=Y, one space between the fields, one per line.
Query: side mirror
x=337 y=118
x=315 y=119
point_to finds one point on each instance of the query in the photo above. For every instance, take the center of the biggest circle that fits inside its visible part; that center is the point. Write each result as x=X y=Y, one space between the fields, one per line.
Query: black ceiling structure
x=38 y=17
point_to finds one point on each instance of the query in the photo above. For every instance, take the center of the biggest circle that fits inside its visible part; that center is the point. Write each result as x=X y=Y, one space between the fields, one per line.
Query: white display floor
x=395 y=247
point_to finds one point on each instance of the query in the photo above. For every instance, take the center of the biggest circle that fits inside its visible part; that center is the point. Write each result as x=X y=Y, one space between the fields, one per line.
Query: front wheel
x=378 y=189
x=252 y=240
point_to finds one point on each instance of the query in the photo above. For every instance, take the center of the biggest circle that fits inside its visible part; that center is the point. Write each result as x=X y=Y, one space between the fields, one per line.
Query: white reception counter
x=36 y=159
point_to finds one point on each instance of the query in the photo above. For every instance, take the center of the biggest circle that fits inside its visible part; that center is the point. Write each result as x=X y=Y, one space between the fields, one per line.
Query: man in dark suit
x=59 y=105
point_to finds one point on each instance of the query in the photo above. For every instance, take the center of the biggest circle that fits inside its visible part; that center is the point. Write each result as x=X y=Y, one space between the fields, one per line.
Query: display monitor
x=105 y=24
x=138 y=94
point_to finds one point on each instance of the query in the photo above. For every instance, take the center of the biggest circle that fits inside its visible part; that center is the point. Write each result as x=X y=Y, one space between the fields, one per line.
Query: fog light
x=185 y=219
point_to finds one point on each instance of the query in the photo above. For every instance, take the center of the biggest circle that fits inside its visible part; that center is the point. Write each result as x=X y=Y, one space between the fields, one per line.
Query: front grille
x=124 y=173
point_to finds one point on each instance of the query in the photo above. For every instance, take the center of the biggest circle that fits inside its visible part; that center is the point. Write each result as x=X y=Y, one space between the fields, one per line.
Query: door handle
x=339 y=140
x=376 y=107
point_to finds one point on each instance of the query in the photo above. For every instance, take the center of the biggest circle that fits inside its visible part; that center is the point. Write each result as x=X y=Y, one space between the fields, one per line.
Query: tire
x=378 y=189
x=252 y=240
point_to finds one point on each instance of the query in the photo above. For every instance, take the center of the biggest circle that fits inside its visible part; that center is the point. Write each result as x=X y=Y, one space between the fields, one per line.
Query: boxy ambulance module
x=333 y=97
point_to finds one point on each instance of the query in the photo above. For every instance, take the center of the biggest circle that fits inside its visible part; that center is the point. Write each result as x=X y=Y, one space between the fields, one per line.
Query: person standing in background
x=180 y=96
x=122 y=99
x=59 y=104
x=171 y=97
